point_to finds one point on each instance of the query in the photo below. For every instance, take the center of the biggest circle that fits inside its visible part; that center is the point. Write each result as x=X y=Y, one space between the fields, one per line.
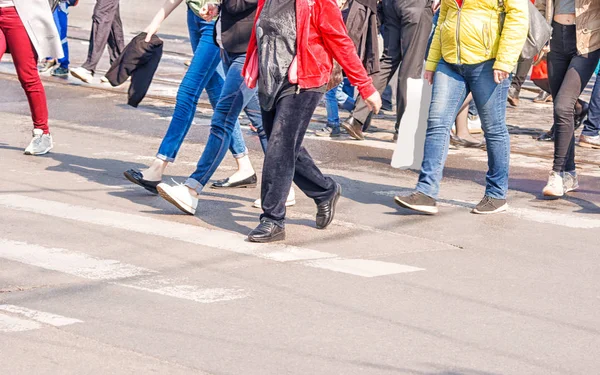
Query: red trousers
x=14 y=36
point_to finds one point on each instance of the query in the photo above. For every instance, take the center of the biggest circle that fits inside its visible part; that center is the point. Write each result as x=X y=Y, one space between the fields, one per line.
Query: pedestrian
x=462 y=136
x=407 y=25
x=574 y=54
x=335 y=99
x=233 y=30
x=461 y=62
x=590 y=136
x=26 y=32
x=61 y=20
x=292 y=65
x=205 y=72
x=106 y=29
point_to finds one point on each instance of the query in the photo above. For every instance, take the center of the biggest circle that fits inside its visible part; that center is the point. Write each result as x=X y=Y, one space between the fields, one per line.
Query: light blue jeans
x=335 y=98
x=451 y=85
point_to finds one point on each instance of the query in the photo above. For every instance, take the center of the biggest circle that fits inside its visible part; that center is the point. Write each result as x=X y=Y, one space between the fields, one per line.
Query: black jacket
x=361 y=23
x=140 y=61
x=237 y=21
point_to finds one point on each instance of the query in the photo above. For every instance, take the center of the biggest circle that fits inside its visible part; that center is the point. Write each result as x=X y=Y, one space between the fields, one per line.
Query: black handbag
x=539 y=33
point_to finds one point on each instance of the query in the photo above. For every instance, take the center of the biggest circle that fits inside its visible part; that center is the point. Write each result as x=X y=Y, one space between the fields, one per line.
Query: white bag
x=411 y=134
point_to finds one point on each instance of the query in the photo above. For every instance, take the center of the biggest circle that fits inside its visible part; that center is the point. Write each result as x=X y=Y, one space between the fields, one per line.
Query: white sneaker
x=40 y=144
x=570 y=181
x=104 y=79
x=555 y=186
x=82 y=74
x=179 y=196
x=291 y=200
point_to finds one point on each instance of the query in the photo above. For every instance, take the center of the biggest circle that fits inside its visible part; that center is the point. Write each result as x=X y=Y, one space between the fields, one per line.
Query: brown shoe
x=513 y=97
x=543 y=97
x=354 y=128
x=588 y=141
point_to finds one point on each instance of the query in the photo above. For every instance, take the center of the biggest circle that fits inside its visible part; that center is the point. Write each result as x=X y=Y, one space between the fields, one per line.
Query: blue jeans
x=451 y=85
x=234 y=97
x=591 y=126
x=335 y=98
x=61 y=15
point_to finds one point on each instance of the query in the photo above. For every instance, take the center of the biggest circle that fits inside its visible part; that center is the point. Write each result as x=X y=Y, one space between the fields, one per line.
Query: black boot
x=354 y=128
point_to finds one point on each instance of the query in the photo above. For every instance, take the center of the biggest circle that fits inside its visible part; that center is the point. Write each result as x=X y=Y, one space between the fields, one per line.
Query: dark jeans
x=406 y=30
x=106 y=28
x=521 y=75
x=569 y=73
x=286 y=159
x=591 y=126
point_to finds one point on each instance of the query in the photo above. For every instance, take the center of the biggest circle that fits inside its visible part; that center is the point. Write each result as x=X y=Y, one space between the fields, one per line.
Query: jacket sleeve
x=238 y=6
x=340 y=46
x=435 y=50
x=513 y=34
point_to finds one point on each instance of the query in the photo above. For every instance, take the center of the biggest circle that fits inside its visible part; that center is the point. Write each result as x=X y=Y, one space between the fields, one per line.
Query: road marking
x=539 y=216
x=12 y=324
x=40 y=316
x=181 y=232
x=362 y=267
x=126 y=275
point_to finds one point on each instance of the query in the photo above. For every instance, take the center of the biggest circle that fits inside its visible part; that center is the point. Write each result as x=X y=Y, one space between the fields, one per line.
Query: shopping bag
x=411 y=134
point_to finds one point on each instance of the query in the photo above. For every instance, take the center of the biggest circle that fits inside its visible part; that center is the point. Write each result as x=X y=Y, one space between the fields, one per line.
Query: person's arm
x=541 y=6
x=435 y=50
x=162 y=14
x=340 y=46
x=513 y=35
x=239 y=6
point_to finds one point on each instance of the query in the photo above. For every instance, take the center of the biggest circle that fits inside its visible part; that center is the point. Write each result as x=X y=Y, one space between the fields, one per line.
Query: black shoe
x=137 y=178
x=354 y=128
x=546 y=137
x=326 y=210
x=249 y=182
x=419 y=202
x=489 y=205
x=395 y=138
x=267 y=231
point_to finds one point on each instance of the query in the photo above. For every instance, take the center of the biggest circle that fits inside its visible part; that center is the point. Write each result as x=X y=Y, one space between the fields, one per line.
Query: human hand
x=151 y=30
x=209 y=11
x=500 y=76
x=546 y=49
x=428 y=76
x=374 y=102
x=435 y=5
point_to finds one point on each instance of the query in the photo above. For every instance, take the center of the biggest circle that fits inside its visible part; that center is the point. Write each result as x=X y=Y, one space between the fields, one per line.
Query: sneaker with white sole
x=419 y=202
x=40 y=144
x=82 y=74
x=570 y=181
x=290 y=201
x=489 y=205
x=555 y=186
x=179 y=196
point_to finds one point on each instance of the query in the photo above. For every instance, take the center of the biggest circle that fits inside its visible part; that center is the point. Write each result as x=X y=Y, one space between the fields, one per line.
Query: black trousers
x=106 y=28
x=520 y=76
x=569 y=74
x=407 y=27
x=286 y=159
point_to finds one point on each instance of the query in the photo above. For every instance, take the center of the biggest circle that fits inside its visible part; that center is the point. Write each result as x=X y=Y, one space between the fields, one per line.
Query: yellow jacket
x=472 y=35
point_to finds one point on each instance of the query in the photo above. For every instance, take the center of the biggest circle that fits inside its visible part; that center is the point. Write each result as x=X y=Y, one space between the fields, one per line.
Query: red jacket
x=320 y=36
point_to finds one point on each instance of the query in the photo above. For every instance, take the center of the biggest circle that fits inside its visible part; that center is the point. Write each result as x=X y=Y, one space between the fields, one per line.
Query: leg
x=116 y=39
x=62 y=25
x=519 y=78
x=491 y=103
x=194 y=29
x=449 y=93
x=287 y=160
x=25 y=60
x=343 y=99
x=255 y=116
x=102 y=20
x=591 y=126
x=333 y=115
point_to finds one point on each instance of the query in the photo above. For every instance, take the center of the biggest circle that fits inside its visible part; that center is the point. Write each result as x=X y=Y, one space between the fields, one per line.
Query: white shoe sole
x=81 y=77
x=39 y=153
x=428 y=210
x=175 y=202
x=502 y=208
x=257 y=204
x=551 y=194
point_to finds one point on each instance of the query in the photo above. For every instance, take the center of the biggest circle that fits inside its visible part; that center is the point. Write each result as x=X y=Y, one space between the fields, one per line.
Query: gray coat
x=39 y=23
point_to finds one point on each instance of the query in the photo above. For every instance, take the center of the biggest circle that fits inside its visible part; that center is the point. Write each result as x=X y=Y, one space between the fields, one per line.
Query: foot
x=82 y=74
x=180 y=196
x=137 y=178
x=290 y=201
x=46 y=65
x=267 y=231
x=354 y=128
x=104 y=80
x=40 y=144
x=328 y=132
x=570 y=181
x=555 y=187
x=233 y=182
x=467 y=142
x=418 y=202
x=489 y=205
x=546 y=137
x=60 y=72
x=326 y=210
x=513 y=97
x=543 y=97
x=589 y=141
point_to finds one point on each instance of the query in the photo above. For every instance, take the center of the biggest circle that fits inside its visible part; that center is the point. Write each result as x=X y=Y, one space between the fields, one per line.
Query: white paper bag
x=411 y=135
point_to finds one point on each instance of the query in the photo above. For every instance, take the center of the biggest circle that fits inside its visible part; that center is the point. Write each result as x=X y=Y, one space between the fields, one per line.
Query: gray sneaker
x=489 y=205
x=40 y=144
x=328 y=132
x=570 y=181
x=419 y=202
x=589 y=141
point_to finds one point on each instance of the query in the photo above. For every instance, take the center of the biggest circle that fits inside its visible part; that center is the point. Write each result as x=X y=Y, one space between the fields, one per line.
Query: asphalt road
x=97 y=276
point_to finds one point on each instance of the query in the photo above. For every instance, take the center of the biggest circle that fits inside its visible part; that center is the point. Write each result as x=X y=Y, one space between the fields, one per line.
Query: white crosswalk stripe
x=30 y=319
x=217 y=239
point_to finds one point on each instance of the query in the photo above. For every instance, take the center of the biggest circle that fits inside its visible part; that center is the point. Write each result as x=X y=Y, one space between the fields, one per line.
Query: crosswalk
x=19 y=319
